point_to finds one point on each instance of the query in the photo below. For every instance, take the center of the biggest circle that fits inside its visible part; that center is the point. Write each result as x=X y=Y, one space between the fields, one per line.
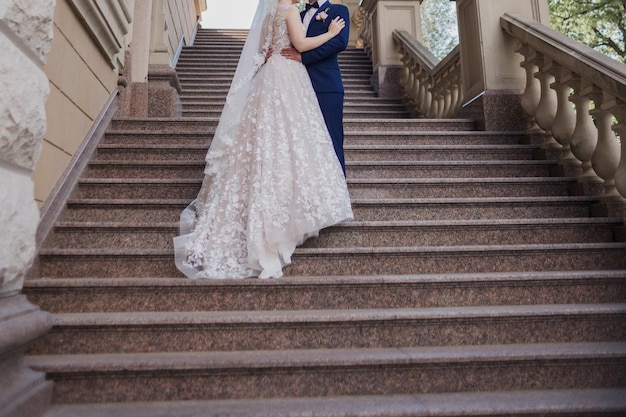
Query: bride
x=272 y=178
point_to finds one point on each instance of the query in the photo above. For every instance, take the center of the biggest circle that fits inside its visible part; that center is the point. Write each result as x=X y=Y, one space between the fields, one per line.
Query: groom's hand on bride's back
x=291 y=53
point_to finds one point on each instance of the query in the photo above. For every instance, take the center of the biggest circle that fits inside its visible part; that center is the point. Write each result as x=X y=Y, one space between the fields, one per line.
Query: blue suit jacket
x=321 y=62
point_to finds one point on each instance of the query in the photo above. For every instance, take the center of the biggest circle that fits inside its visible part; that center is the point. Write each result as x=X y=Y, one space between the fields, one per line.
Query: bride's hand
x=336 y=25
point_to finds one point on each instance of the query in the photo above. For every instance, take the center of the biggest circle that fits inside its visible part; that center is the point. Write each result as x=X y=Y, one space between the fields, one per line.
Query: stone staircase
x=470 y=283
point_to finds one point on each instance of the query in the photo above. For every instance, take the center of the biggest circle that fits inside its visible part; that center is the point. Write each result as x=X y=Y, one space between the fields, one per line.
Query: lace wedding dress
x=277 y=182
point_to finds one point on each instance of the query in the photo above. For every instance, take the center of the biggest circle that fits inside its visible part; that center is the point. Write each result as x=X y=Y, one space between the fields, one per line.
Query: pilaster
x=386 y=16
x=163 y=85
x=492 y=77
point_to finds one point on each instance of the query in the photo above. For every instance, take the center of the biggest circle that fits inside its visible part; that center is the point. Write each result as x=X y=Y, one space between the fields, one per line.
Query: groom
x=323 y=67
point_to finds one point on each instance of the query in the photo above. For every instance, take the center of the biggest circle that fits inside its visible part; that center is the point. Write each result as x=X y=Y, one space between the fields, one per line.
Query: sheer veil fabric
x=272 y=178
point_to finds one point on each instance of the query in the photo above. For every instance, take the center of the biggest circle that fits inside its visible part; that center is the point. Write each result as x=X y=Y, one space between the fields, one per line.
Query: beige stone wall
x=83 y=72
x=81 y=80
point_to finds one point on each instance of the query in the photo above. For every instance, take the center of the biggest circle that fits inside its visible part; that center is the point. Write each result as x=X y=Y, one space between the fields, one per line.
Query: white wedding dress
x=277 y=183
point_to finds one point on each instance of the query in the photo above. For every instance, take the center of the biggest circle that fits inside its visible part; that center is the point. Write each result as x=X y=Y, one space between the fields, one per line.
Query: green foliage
x=439 y=26
x=599 y=24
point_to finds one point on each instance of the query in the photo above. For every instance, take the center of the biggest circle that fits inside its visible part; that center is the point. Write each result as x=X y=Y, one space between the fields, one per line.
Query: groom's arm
x=333 y=46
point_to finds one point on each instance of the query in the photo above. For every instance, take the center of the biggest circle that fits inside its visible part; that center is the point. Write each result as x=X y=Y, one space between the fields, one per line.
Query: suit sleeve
x=333 y=46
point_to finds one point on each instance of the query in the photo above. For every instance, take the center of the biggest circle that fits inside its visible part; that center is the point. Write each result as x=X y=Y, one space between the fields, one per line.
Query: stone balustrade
x=432 y=87
x=577 y=98
x=363 y=22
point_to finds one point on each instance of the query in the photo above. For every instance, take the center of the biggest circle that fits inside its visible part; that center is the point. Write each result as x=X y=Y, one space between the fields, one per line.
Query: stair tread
x=326 y=358
x=399 y=250
x=417 y=147
x=394 y=201
x=281 y=317
x=395 y=181
x=356 y=224
x=474 y=162
x=416 y=405
x=301 y=281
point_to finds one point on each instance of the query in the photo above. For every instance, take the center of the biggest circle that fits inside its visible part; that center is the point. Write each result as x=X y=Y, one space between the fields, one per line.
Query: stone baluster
x=404 y=71
x=426 y=95
x=546 y=109
x=358 y=20
x=366 y=34
x=413 y=87
x=585 y=136
x=532 y=91
x=435 y=104
x=456 y=97
x=620 y=129
x=417 y=92
x=606 y=157
x=564 y=121
x=445 y=98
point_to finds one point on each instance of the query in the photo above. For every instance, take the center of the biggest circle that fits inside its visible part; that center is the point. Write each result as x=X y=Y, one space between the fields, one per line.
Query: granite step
x=128 y=377
x=349 y=113
x=205 y=72
x=101 y=294
x=159 y=263
x=447 y=138
x=201 y=125
x=216 y=92
x=128 y=332
x=449 y=169
x=362 y=93
x=217 y=106
x=200 y=80
x=229 y=67
x=210 y=54
x=168 y=210
x=458 y=187
x=104 y=235
x=440 y=152
x=204 y=49
x=215 y=64
x=175 y=126
x=457 y=259
x=368 y=152
x=165 y=137
x=437 y=137
x=355 y=169
x=531 y=403
x=215 y=43
x=232 y=59
x=148 y=188
x=353 y=101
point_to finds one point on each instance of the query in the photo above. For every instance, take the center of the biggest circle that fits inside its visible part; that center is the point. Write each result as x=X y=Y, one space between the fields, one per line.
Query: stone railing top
x=423 y=56
x=606 y=73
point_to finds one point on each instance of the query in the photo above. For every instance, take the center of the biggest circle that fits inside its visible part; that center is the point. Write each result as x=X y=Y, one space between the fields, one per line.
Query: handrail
x=559 y=72
x=432 y=87
x=606 y=73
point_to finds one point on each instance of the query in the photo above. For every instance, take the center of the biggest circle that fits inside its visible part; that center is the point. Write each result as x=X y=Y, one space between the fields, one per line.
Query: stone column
x=492 y=77
x=138 y=56
x=388 y=15
x=163 y=84
x=25 y=40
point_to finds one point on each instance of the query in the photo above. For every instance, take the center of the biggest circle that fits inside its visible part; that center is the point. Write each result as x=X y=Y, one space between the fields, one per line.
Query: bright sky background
x=229 y=14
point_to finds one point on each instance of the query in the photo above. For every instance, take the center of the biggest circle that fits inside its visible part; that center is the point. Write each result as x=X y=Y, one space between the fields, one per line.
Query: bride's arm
x=298 y=37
